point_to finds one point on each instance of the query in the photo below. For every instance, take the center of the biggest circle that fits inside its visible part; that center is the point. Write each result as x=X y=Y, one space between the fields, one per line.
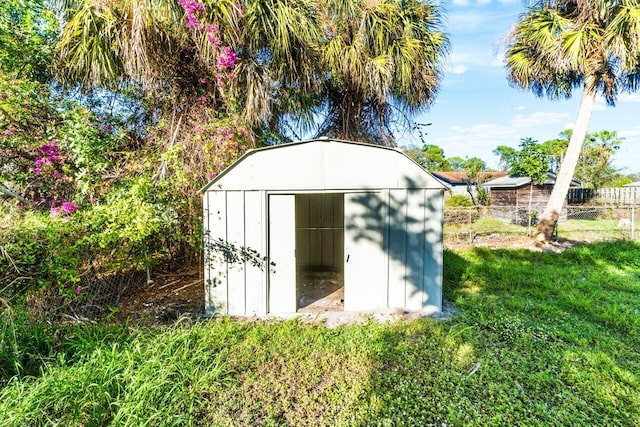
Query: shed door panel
x=364 y=269
x=236 y=240
x=282 y=246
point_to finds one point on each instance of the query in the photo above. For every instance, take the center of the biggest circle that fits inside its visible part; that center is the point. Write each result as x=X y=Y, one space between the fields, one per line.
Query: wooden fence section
x=605 y=196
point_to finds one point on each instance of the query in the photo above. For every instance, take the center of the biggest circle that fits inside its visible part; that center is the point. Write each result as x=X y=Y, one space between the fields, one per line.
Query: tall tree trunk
x=551 y=213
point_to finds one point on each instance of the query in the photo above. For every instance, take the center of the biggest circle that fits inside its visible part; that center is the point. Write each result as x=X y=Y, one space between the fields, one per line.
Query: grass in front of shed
x=538 y=339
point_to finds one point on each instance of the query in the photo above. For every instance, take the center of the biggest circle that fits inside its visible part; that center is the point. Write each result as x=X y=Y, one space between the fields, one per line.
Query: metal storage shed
x=291 y=224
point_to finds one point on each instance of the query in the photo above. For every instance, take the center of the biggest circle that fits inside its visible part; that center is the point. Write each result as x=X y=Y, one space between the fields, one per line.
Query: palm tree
x=107 y=43
x=383 y=59
x=103 y=44
x=360 y=63
x=559 y=45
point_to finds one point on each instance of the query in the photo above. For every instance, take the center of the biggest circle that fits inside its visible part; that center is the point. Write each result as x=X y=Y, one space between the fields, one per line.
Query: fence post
x=470 y=225
x=633 y=221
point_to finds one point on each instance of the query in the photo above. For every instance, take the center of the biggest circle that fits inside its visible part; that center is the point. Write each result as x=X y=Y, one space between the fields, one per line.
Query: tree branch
x=8 y=192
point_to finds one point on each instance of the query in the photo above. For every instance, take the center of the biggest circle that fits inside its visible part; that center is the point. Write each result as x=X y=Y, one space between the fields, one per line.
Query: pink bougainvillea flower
x=212 y=28
x=192 y=7
x=227 y=58
x=55 y=211
x=69 y=207
x=7 y=133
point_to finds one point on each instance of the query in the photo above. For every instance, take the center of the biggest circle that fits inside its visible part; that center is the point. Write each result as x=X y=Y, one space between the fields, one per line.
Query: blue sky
x=476 y=109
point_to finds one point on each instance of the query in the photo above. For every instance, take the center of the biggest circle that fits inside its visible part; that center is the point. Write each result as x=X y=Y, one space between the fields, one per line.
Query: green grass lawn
x=595 y=230
x=539 y=339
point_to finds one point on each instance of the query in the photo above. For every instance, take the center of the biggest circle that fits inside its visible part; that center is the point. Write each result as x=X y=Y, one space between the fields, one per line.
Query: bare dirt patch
x=167 y=298
x=498 y=241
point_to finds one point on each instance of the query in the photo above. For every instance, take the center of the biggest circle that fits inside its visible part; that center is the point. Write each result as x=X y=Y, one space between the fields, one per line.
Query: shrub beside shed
x=292 y=226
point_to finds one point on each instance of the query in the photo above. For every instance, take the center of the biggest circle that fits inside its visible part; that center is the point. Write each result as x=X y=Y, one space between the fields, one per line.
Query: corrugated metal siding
x=282 y=246
x=415 y=249
x=215 y=266
x=396 y=247
x=433 y=265
x=236 y=218
x=255 y=238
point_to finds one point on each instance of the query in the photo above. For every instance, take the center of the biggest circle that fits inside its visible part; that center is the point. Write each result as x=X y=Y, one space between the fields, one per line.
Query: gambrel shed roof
x=323 y=164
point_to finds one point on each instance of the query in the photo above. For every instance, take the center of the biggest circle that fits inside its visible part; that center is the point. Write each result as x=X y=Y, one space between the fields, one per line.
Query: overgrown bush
x=458 y=201
x=133 y=228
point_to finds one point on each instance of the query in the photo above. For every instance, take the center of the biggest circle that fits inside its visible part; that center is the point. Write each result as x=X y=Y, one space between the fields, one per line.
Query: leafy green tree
x=475 y=168
x=532 y=160
x=594 y=169
x=506 y=155
x=556 y=149
x=456 y=163
x=430 y=157
x=27 y=29
x=559 y=45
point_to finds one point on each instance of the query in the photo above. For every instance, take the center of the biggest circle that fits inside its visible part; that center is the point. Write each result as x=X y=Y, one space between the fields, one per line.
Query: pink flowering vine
x=191 y=8
x=50 y=180
x=226 y=59
x=65 y=207
x=8 y=132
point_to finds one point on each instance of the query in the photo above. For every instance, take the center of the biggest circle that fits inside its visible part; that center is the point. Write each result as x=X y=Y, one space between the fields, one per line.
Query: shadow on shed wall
x=411 y=237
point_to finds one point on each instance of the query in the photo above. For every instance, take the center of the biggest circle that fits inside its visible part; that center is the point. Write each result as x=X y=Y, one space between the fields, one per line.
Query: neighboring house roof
x=460 y=178
x=517 y=181
x=633 y=184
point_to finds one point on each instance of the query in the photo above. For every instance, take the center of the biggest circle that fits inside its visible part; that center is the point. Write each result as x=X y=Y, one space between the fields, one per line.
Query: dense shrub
x=458 y=201
x=126 y=231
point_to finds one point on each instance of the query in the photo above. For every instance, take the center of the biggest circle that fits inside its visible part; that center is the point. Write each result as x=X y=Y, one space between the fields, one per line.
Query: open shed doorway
x=319 y=252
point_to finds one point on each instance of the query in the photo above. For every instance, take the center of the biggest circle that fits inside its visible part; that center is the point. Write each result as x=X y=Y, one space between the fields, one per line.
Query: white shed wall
x=393 y=228
x=414 y=249
x=235 y=217
x=393 y=251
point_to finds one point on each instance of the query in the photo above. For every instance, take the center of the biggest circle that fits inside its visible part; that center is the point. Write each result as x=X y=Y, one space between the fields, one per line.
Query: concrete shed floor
x=319 y=291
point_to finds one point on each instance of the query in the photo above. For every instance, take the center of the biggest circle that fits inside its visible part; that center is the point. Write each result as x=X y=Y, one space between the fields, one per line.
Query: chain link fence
x=94 y=294
x=580 y=223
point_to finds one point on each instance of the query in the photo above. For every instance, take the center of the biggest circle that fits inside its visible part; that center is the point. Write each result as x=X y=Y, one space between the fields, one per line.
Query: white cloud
x=484 y=1
x=461 y=2
x=477 y=141
x=629 y=153
x=467 y=22
x=629 y=97
x=600 y=104
x=521 y=108
x=459 y=69
x=482 y=56
x=539 y=118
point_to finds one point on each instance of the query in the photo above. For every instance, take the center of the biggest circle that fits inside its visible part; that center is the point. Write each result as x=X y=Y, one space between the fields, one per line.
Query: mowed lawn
x=537 y=339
